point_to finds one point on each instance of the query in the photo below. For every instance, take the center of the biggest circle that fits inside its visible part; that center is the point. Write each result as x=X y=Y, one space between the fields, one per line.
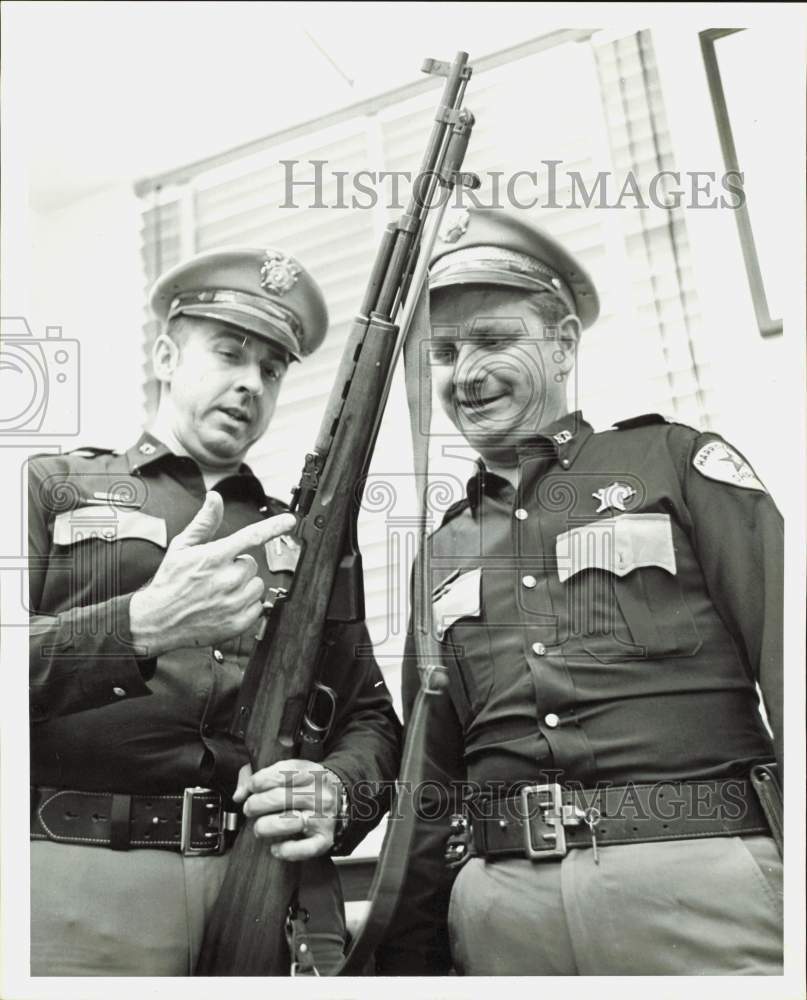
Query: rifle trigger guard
x=317 y=725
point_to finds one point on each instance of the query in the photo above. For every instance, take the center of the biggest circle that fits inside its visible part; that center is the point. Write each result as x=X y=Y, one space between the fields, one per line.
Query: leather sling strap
x=390 y=872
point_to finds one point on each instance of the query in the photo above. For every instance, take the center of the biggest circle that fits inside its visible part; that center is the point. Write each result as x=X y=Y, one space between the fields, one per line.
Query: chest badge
x=613 y=497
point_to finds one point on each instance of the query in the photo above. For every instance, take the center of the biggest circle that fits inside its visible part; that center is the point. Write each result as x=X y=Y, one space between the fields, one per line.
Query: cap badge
x=455 y=225
x=278 y=272
x=613 y=496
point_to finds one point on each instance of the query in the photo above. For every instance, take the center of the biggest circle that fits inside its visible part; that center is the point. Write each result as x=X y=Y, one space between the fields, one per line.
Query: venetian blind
x=591 y=107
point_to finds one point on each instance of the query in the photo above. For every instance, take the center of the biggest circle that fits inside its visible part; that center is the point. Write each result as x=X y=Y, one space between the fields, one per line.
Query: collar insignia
x=562 y=437
x=146 y=448
x=278 y=272
x=613 y=496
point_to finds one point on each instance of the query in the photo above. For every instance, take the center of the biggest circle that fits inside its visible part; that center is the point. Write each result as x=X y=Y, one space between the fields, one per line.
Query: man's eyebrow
x=272 y=357
x=499 y=326
x=239 y=338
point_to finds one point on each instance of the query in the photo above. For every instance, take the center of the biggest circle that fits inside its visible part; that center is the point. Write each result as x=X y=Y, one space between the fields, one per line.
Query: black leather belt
x=546 y=821
x=193 y=822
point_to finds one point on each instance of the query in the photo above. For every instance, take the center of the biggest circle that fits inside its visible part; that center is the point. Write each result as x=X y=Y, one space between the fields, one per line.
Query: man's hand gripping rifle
x=245 y=934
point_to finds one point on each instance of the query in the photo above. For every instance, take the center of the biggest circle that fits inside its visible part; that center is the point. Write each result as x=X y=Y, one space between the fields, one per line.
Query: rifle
x=245 y=935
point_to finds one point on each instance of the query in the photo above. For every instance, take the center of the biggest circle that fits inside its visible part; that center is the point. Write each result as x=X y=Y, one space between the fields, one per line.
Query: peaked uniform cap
x=264 y=292
x=487 y=246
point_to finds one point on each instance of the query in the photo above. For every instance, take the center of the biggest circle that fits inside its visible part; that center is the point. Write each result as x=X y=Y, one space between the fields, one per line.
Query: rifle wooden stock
x=245 y=935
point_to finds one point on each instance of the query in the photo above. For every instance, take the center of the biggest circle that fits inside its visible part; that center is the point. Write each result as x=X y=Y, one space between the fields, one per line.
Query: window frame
x=768 y=325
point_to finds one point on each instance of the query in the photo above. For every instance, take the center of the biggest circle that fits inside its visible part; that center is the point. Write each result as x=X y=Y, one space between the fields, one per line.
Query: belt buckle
x=550 y=807
x=210 y=816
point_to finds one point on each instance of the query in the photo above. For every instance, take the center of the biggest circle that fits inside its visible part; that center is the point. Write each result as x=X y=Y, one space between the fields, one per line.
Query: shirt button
x=218 y=656
x=539 y=648
x=551 y=720
x=529 y=582
x=119 y=692
x=565 y=463
x=521 y=514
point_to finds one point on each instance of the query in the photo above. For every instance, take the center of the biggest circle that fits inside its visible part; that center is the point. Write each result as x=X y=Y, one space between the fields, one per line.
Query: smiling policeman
x=606 y=604
x=148 y=569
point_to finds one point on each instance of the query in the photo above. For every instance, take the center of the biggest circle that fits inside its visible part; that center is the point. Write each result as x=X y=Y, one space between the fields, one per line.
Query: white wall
x=757 y=394
x=81 y=269
x=85 y=276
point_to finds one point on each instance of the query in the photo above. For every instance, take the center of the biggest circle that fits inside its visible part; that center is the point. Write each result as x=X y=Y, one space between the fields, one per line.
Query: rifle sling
x=386 y=887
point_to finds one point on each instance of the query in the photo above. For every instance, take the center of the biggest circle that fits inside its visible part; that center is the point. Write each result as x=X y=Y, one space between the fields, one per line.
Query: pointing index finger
x=254 y=535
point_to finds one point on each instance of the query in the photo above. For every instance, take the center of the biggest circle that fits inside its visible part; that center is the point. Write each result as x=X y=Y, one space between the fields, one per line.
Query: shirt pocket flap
x=462 y=599
x=618 y=545
x=109 y=524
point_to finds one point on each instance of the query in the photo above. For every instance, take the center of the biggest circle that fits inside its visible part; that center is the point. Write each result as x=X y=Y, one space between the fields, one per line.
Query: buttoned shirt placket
x=546 y=602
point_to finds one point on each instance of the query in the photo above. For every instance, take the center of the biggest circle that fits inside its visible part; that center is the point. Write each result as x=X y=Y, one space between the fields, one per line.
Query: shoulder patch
x=718 y=460
x=642 y=421
x=454 y=510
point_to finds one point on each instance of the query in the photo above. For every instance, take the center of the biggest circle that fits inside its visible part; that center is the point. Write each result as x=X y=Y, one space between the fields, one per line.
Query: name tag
x=618 y=545
x=109 y=524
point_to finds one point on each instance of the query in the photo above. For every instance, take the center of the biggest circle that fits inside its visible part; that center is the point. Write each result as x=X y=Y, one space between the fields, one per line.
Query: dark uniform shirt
x=606 y=622
x=107 y=719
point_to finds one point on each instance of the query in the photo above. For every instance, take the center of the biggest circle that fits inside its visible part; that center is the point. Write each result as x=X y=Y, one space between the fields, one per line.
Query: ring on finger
x=303 y=818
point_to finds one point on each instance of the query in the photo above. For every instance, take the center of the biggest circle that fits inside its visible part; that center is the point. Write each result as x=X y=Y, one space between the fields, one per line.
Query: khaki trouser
x=98 y=912
x=687 y=907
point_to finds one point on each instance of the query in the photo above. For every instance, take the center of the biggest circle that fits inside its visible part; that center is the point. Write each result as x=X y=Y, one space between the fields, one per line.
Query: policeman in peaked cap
x=266 y=310
x=151 y=566
x=605 y=605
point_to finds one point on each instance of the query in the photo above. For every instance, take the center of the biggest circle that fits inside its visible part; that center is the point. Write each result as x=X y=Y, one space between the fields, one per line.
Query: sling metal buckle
x=547 y=817
x=203 y=812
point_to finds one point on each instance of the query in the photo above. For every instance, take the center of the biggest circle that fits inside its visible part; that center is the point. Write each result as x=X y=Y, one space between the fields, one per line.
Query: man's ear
x=569 y=330
x=164 y=358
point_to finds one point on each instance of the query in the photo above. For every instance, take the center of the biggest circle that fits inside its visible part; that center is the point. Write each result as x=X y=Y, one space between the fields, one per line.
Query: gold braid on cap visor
x=495 y=261
x=283 y=320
